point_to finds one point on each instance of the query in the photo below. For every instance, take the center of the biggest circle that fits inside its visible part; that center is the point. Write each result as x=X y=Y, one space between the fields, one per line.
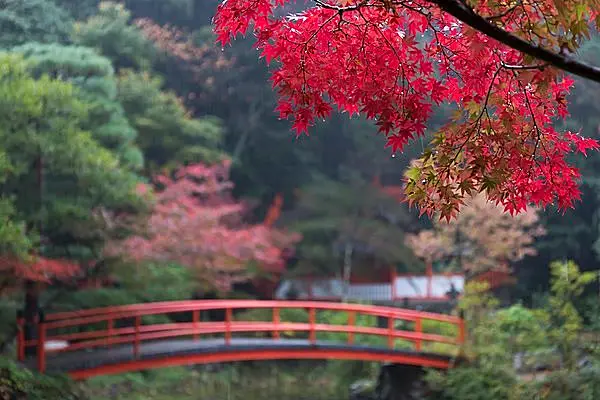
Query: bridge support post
x=400 y=382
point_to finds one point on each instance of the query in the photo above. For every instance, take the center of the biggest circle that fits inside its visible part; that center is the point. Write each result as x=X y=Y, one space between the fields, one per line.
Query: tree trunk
x=347 y=270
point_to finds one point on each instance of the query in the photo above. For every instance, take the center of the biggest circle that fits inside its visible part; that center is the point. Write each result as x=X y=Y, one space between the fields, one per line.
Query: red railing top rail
x=81 y=317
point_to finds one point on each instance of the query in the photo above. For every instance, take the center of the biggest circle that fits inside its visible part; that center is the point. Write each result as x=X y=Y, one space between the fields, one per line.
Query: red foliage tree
x=35 y=268
x=200 y=58
x=196 y=223
x=394 y=60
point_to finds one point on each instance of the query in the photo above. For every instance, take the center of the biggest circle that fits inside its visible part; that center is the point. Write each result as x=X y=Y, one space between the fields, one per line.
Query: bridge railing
x=136 y=324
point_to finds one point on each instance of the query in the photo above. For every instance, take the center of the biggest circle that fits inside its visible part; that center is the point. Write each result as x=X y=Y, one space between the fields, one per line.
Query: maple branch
x=340 y=9
x=465 y=14
x=523 y=67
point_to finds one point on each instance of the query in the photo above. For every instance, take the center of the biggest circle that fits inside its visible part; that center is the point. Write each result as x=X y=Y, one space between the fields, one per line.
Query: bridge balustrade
x=140 y=323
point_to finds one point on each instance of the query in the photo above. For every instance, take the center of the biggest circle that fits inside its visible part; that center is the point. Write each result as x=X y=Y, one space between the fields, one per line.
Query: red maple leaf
x=391 y=61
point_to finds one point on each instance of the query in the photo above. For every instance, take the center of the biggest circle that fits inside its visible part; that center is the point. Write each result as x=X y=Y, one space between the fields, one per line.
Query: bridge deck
x=160 y=352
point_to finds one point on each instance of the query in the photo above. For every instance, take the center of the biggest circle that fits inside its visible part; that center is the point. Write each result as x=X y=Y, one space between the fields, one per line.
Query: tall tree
x=364 y=56
x=53 y=174
x=167 y=133
x=41 y=21
x=95 y=77
x=112 y=33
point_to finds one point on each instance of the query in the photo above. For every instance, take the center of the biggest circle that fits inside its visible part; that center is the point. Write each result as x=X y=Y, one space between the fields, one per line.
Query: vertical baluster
x=20 y=336
x=195 y=323
x=351 y=324
x=41 y=344
x=276 y=320
x=391 y=331
x=419 y=332
x=110 y=326
x=228 y=318
x=136 y=340
x=312 y=323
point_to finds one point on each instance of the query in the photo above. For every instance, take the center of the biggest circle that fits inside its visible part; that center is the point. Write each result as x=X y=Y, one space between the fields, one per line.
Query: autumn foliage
x=14 y=270
x=395 y=61
x=179 y=44
x=483 y=237
x=196 y=223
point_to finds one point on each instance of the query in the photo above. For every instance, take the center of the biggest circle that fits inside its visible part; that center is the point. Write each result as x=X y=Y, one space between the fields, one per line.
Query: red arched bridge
x=119 y=339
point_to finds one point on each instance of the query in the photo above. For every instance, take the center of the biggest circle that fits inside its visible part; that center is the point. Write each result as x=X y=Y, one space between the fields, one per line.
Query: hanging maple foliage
x=500 y=62
x=482 y=238
x=196 y=223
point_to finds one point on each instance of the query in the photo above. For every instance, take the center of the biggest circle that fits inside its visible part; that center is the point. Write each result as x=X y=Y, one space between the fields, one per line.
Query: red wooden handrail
x=108 y=334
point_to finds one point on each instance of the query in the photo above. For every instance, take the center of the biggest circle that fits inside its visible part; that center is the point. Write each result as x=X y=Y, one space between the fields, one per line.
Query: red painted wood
x=276 y=321
x=136 y=341
x=264 y=354
x=86 y=317
x=196 y=321
x=390 y=334
x=107 y=335
x=418 y=331
x=41 y=350
x=21 y=339
x=351 y=324
x=312 y=316
x=228 y=320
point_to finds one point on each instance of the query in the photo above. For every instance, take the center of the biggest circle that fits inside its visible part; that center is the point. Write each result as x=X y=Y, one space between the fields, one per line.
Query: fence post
x=419 y=332
x=391 y=331
x=136 y=340
x=351 y=324
x=41 y=341
x=276 y=321
x=312 y=322
x=228 y=318
x=20 y=335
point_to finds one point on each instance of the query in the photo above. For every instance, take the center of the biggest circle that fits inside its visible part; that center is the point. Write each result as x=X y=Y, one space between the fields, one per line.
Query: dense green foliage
x=549 y=342
x=19 y=383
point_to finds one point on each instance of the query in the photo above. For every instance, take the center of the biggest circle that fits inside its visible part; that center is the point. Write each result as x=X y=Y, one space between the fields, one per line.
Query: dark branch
x=524 y=67
x=463 y=13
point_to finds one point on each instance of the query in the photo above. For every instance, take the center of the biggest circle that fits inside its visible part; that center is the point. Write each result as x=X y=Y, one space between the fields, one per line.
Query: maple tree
x=480 y=239
x=195 y=222
x=34 y=268
x=501 y=62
